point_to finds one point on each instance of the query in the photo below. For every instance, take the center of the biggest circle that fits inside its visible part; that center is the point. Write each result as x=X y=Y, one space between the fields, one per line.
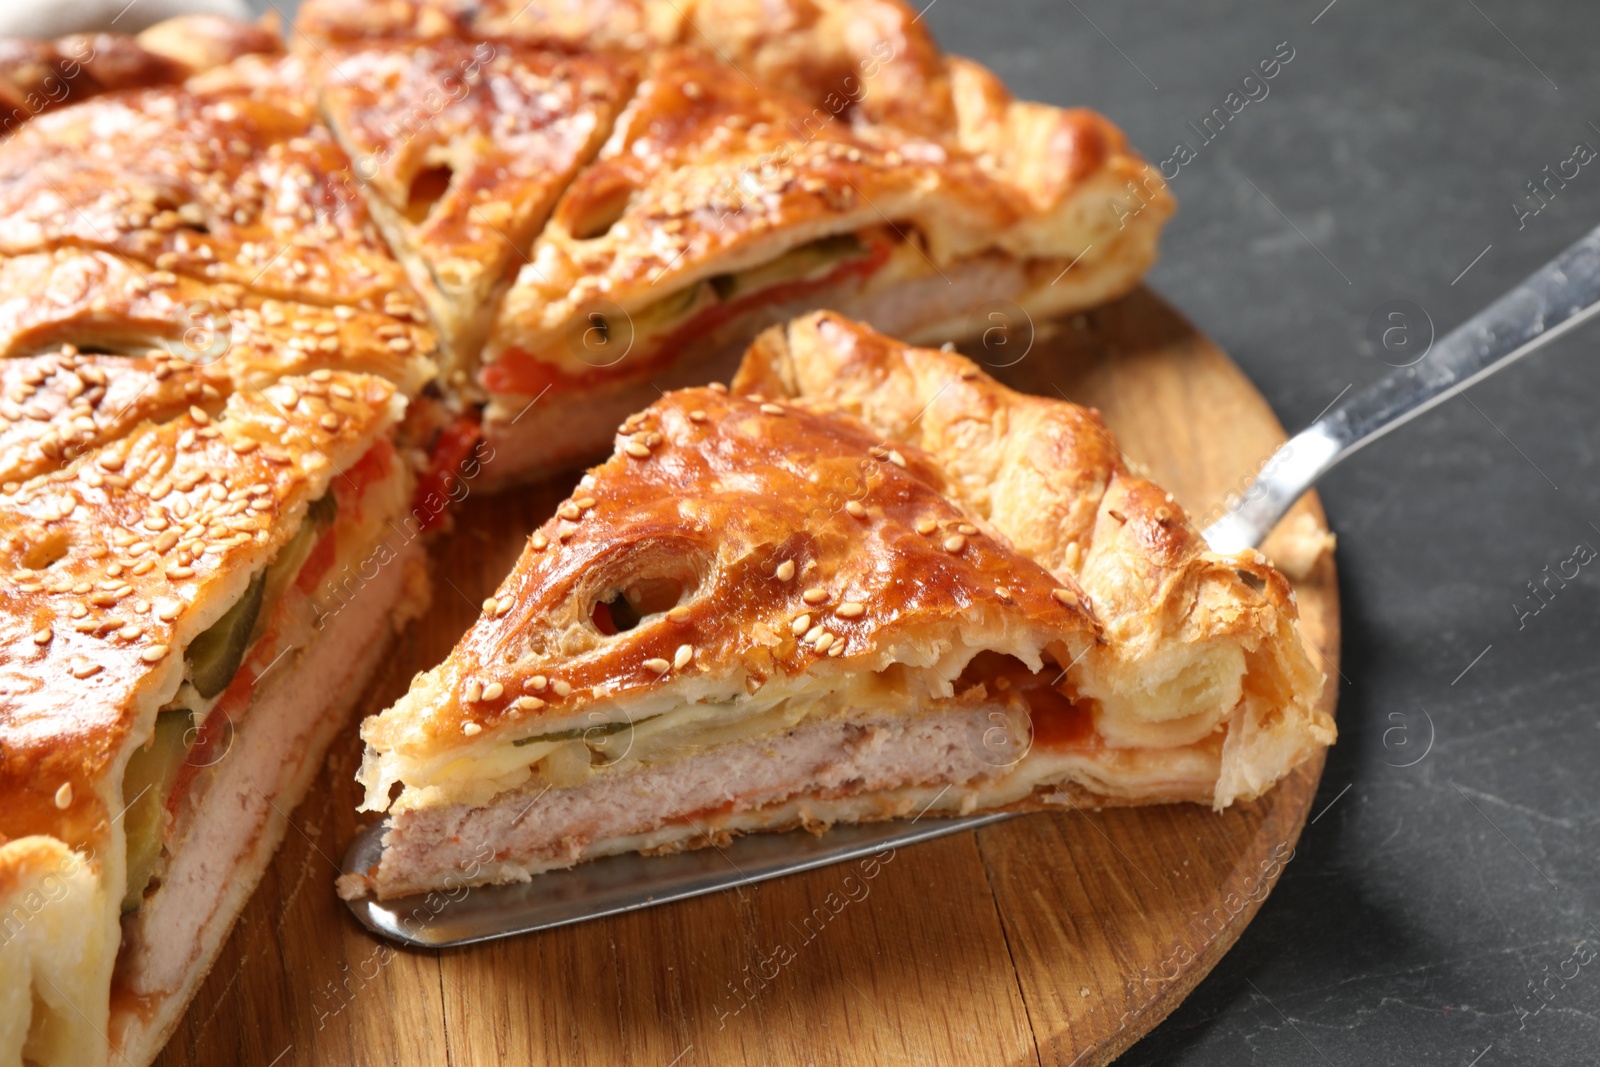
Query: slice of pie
x=718 y=208
x=764 y=611
x=195 y=607
x=464 y=147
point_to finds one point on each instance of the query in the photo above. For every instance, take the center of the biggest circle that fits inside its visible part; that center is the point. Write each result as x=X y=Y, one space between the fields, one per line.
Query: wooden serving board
x=1055 y=938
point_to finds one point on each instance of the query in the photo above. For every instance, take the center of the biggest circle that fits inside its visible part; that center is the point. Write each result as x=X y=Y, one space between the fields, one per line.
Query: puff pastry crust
x=864 y=530
x=39 y=76
x=464 y=147
x=230 y=186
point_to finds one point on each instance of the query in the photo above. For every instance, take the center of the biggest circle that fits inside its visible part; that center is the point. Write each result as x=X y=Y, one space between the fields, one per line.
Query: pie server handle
x=461 y=913
x=1554 y=299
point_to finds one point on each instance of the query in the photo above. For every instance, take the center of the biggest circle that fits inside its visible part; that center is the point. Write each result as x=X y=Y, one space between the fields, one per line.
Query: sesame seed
x=855 y=509
x=800 y=625
x=528 y=704
x=322 y=374
x=851 y=609
x=42 y=636
x=493 y=691
x=562 y=688
x=814 y=596
x=154 y=654
x=659 y=666
x=474 y=692
x=568 y=511
x=329 y=421
x=1065 y=596
x=491 y=604
x=169 y=611
x=785 y=570
x=681 y=658
x=130 y=631
x=955 y=543
x=636 y=450
x=812 y=634
x=536 y=683
x=504 y=605
x=896 y=458
x=471 y=729
x=823 y=642
x=538 y=541
x=968 y=529
x=771 y=409
x=198 y=414
x=697 y=415
x=926 y=526
x=64 y=796
x=678 y=614
x=837 y=649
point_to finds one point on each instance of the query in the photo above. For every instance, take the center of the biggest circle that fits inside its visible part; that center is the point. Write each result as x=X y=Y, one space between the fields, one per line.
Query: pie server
x=1553 y=300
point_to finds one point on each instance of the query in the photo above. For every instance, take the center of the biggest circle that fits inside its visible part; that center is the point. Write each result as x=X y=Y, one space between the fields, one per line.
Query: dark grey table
x=1442 y=907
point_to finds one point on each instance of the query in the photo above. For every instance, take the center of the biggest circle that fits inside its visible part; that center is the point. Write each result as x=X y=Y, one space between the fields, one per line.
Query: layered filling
x=977 y=729
x=882 y=275
x=284 y=609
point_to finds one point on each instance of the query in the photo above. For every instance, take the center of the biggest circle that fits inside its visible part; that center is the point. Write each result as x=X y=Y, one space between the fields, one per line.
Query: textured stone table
x=1443 y=908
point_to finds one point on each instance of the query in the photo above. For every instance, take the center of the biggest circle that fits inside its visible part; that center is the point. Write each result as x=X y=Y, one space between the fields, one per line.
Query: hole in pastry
x=623 y=609
x=427 y=189
x=1252 y=581
x=593 y=214
x=47 y=551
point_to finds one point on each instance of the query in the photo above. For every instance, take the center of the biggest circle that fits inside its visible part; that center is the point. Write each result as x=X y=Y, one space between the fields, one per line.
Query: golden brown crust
x=113 y=564
x=226 y=186
x=39 y=76
x=1047 y=475
x=201 y=42
x=463 y=148
x=762 y=513
x=168 y=342
x=707 y=175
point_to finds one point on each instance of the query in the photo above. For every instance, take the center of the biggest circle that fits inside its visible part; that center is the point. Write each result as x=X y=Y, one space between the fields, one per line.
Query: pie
x=260 y=307
x=758 y=160
x=869 y=582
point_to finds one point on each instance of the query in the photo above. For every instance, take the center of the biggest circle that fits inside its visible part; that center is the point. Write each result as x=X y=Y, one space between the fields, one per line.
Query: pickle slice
x=803 y=263
x=578 y=733
x=152 y=770
x=215 y=655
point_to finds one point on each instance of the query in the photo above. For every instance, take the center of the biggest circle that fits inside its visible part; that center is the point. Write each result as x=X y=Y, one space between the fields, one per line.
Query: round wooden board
x=1054 y=938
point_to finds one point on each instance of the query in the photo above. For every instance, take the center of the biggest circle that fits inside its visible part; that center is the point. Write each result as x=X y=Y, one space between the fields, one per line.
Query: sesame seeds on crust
x=111 y=564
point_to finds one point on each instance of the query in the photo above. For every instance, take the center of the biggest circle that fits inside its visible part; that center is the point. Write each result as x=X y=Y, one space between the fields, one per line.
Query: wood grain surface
x=1054 y=938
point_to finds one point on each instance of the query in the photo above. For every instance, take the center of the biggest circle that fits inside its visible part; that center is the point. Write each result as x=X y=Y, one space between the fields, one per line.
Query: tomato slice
x=454 y=444
x=373 y=466
x=522 y=374
x=318 y=562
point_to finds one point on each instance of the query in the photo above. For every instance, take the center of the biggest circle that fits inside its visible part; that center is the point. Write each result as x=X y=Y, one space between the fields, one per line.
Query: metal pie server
x=1554 y=299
